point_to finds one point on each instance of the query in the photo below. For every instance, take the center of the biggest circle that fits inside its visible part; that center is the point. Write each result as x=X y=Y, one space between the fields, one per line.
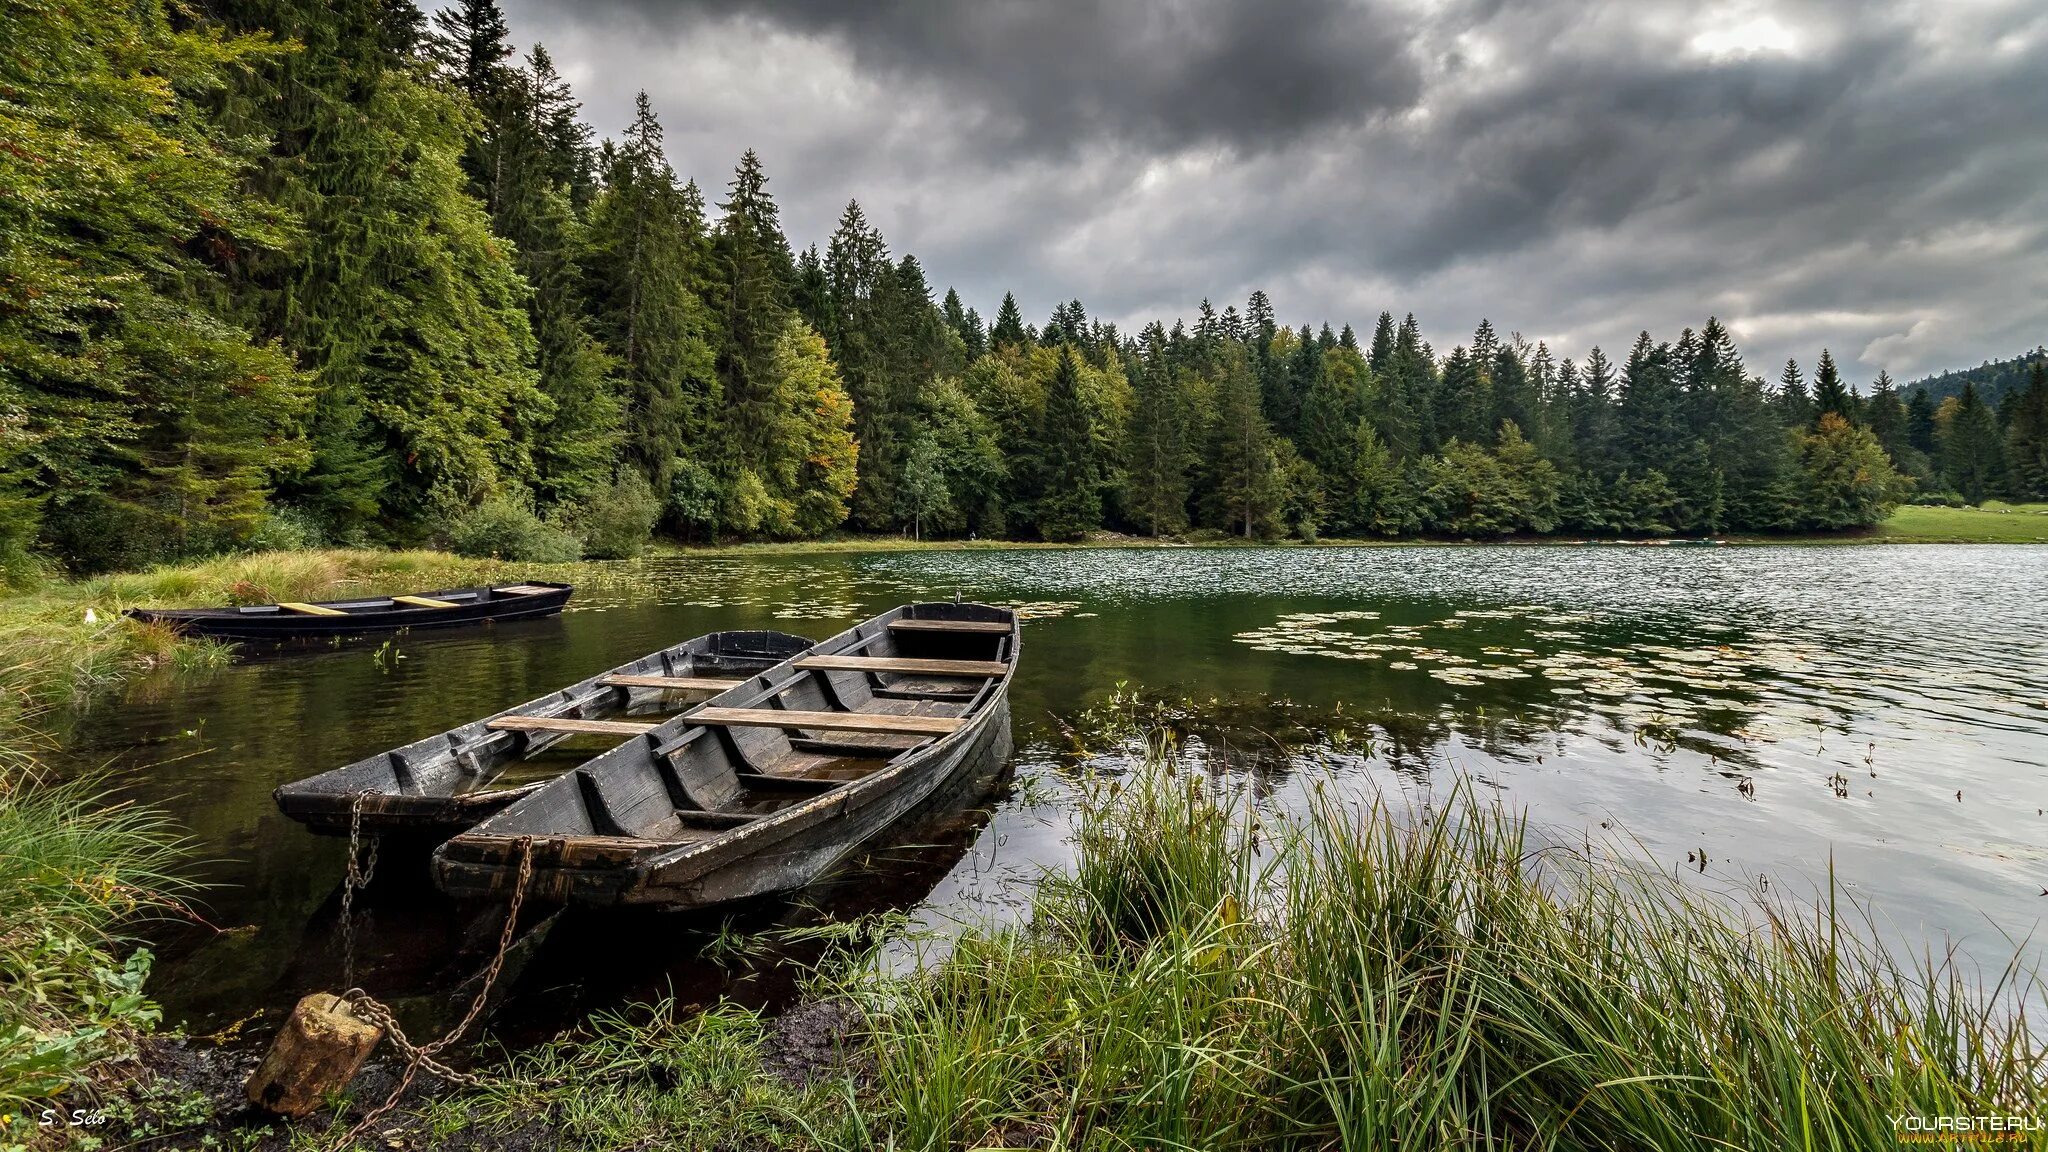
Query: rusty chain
x=360 y=870
x=417 y=1056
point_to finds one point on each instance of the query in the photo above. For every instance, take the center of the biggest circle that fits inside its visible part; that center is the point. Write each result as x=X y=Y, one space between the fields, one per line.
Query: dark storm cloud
x=1059 y=75
x=1869 y=176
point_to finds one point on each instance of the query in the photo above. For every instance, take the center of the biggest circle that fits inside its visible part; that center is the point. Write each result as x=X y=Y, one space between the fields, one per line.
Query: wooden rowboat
x=765 y=786
x=294 y=620
x=447 y=782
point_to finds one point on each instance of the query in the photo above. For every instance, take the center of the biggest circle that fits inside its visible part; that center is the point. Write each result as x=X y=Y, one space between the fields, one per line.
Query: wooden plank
x=676 y=683
x=568 y=724
x=524 y=590
x=423 y=602
x=989 y=627
x=312 y=610
x=915 y=665
x=828 y=721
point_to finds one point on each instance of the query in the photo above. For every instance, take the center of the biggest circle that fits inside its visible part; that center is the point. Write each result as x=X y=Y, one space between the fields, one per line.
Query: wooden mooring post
x=316 y=1054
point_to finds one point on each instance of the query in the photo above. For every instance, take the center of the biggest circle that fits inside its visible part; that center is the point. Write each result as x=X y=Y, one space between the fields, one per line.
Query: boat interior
x=821 y=721
x=485 y=754
x=452 y=599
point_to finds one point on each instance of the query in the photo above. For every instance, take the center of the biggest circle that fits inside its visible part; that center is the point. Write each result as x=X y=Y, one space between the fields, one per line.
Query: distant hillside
x=1994 y=379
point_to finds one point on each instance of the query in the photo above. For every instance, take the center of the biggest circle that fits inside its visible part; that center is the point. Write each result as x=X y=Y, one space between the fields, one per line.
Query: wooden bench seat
x=828 y=721
x=312 y=609
x=674 y=683
x=524 y=590
x=568 y=724
x=980 y=627
x=907 y=664
x=423 y=602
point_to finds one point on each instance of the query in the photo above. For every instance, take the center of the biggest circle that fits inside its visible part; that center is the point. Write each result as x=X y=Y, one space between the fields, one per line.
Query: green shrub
x=508 y=530
x=617 y=521
x=286 y=529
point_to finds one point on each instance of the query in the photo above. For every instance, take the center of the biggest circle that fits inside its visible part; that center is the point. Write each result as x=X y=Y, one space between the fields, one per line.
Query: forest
x=286 y=273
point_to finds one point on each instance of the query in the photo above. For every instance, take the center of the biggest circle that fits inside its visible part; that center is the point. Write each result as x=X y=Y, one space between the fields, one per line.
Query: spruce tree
x=1382 y=343
x=1246 y=487
x=1160 y=453
x=402 y=303
x=1009 y=326
x=645 y=252
x=141 y=422
x=2026 y=437
x=1071 y=505
x=1972 y=451
x=755 y=271
x=1887 y=419
x=1793 y=402
x=1830 y=394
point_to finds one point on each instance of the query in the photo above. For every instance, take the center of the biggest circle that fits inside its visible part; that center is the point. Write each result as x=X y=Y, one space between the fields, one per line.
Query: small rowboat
x=291 y=621
x=768 y=784
x=445 y=783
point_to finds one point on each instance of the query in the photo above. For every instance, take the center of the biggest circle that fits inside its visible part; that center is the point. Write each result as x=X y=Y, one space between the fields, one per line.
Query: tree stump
x=316 y=1054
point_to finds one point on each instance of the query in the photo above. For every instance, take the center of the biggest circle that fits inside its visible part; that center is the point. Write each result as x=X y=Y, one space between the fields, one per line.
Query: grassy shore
x=1210 y=977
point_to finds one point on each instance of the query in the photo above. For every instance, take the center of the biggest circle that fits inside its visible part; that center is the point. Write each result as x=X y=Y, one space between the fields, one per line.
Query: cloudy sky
x=1867 y=175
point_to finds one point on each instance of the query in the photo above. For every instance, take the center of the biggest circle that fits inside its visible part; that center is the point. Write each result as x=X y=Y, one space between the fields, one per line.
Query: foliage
x=616 y=521
x=1848 y=479
x=1370 y=977
x=137 y=422
x=76 y=867
x=502 y=528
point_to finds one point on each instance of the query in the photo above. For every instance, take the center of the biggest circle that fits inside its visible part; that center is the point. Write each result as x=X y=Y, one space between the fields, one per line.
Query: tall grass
x=1210 y=977
x=75 y=869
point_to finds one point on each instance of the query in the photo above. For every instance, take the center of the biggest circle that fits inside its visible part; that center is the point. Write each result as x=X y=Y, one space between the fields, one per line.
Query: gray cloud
x=1867 y=176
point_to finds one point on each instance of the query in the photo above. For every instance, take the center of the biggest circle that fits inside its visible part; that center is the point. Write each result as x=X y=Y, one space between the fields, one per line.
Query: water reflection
x=1880 y=711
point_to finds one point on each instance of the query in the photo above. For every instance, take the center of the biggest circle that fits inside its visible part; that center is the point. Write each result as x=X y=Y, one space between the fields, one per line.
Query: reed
x=1213 y=977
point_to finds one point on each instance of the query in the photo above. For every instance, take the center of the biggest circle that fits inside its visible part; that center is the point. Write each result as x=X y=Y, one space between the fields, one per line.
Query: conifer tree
x=2026 y=437
x=1160 y=453
x=1793 y=401
x=401 y=302
x=755 y=271
x=1246 y=488
x=1972 y=451
x=1887 y=417
x=1009 y=326
x=645 y=253
x=1382 y=343
x=140 y=423
x=1071 y=505
x=1830 y=394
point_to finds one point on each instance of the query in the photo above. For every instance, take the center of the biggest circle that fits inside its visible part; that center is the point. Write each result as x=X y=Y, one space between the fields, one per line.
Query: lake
x=1881 y=712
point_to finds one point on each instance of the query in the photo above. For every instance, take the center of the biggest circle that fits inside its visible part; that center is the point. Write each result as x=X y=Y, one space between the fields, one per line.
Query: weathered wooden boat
x=765 y=786
x=295 y=620
x=445 y=783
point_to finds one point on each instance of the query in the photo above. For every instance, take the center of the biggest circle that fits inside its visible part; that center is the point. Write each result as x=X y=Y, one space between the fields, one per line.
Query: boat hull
x=268 y=623
x=769 y=785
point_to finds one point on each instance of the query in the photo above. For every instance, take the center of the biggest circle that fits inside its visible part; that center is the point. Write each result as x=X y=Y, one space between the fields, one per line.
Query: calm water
x=1880 y=710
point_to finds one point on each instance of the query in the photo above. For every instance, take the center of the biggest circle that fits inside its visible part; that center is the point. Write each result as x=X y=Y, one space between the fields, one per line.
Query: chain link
x=360 y=870
x=418 y=1056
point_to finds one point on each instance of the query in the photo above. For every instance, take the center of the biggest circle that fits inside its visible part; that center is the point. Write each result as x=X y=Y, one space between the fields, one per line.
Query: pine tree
x=1382 y=343
x=755 y=273
x=402 y=303
x=646 y=251
x=1972 y=451
x=1829 y=393
x=1920 y=422
x=1160 y=453
x=1887 y=419
x=1793 y=402
x=1246 y=488
x=1071 y=505
x=2026 y=437
x=1009 y=326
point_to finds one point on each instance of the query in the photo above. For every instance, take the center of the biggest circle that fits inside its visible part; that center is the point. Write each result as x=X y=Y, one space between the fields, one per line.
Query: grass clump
x=74 y=870
x=1210 y=977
